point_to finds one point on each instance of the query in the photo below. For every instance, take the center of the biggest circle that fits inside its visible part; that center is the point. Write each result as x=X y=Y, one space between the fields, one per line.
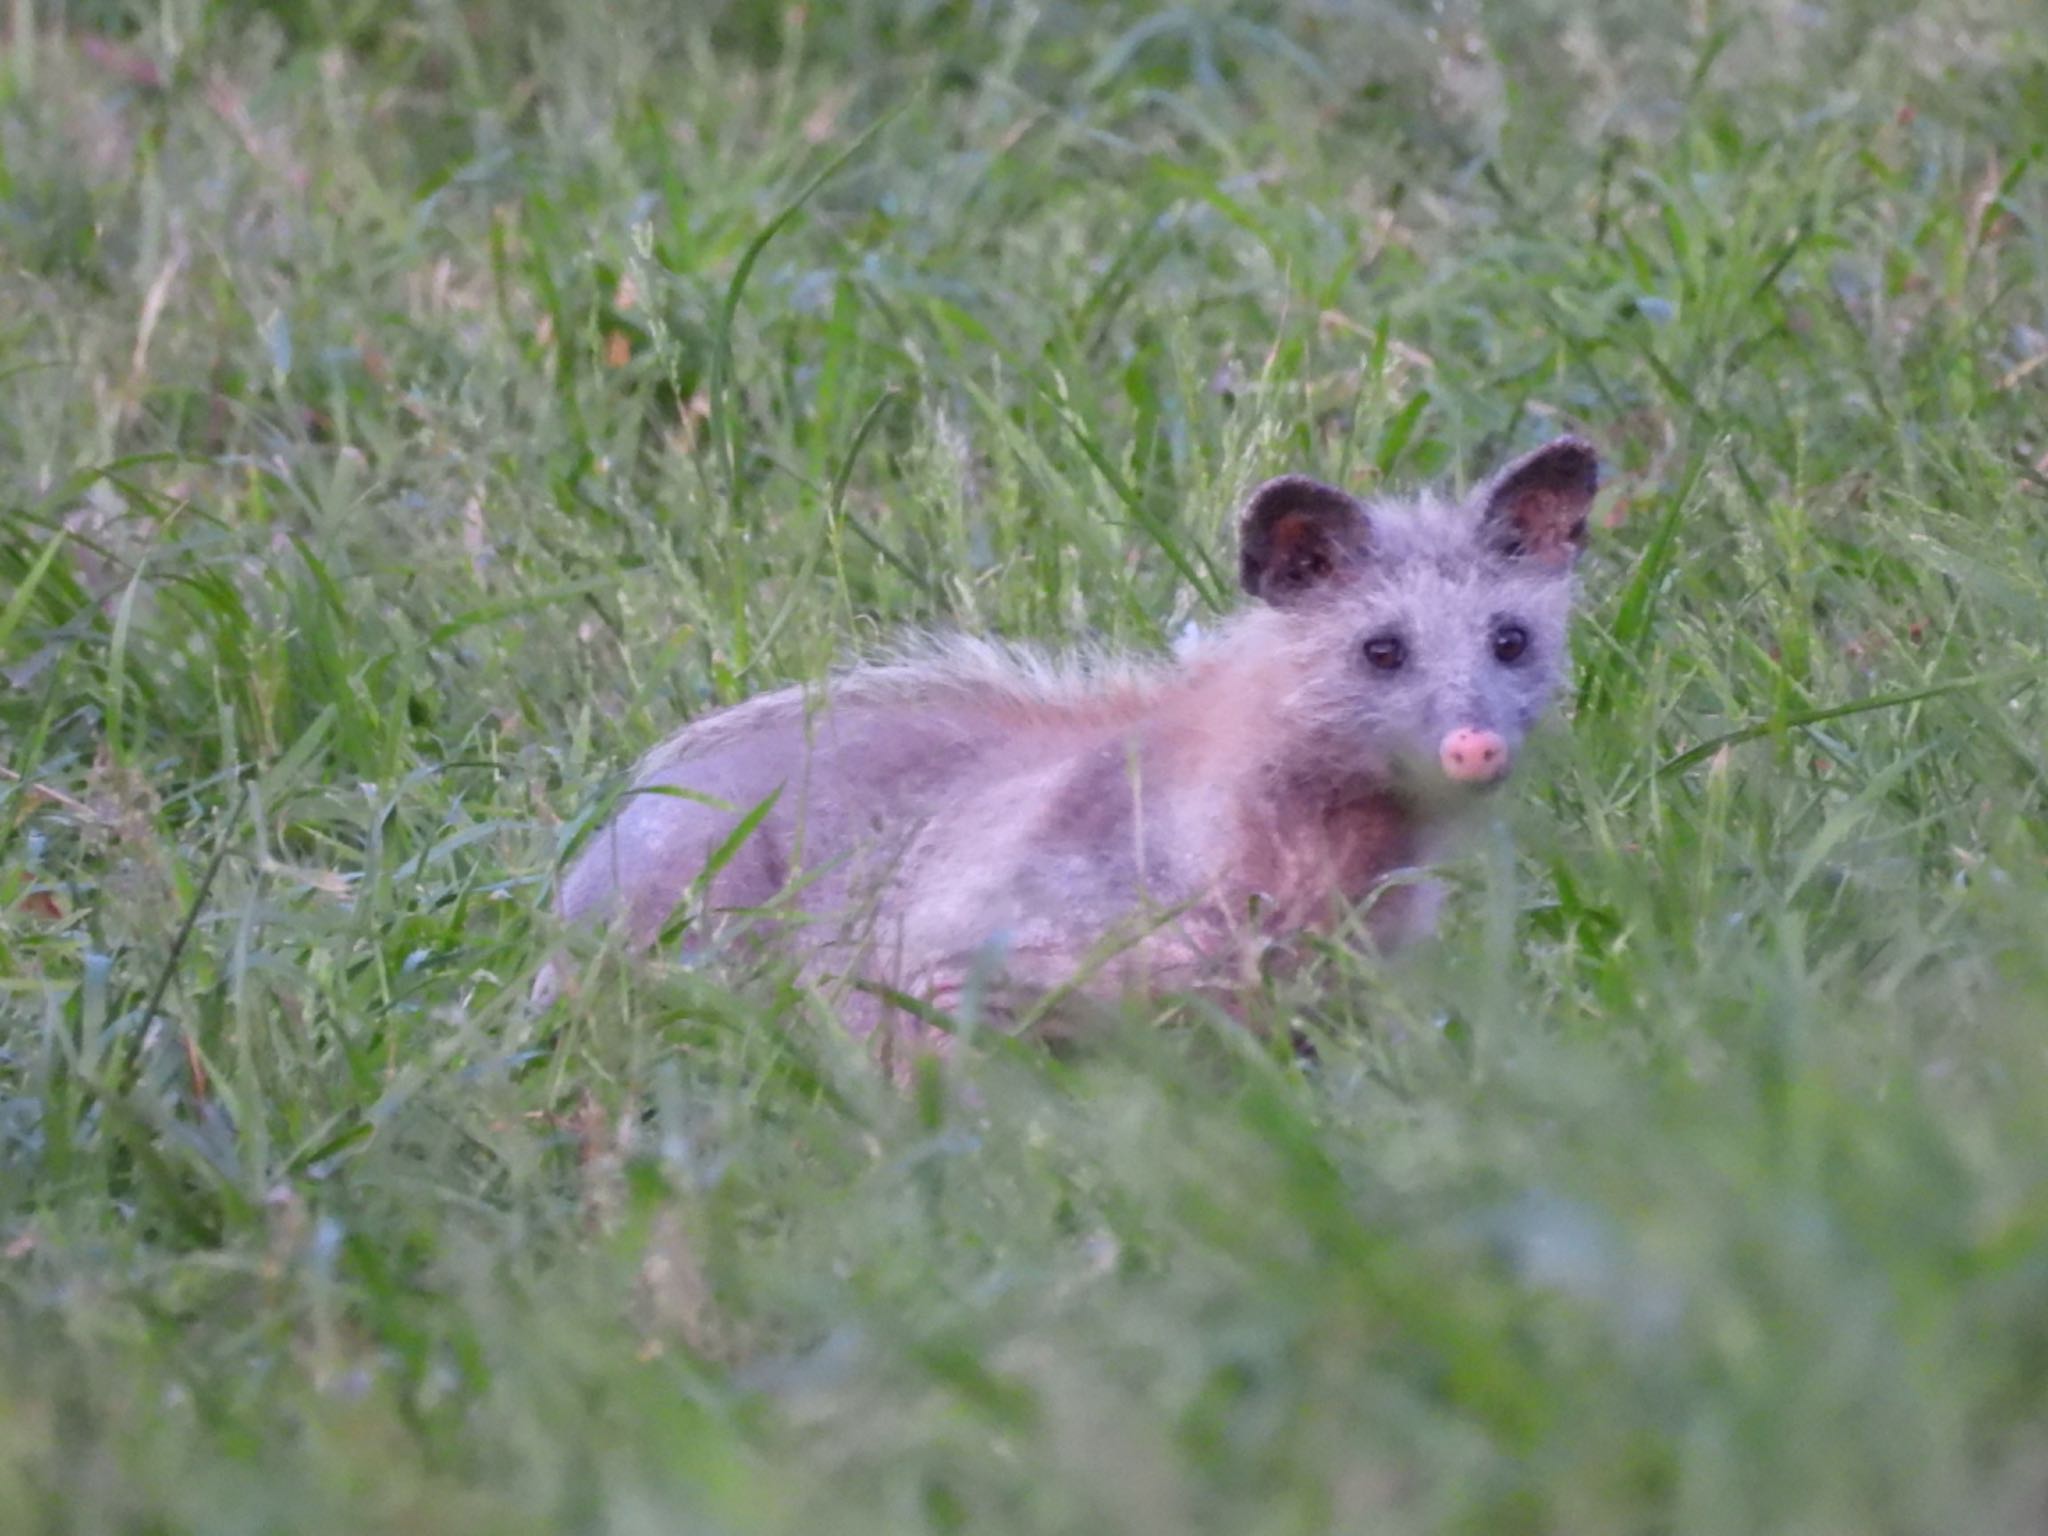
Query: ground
x=410 y=411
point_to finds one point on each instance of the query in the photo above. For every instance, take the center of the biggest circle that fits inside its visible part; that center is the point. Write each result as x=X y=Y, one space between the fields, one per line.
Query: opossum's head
x=1425 y=637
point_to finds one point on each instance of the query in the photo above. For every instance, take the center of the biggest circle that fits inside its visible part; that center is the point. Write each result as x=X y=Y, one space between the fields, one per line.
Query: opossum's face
x=1427 y=637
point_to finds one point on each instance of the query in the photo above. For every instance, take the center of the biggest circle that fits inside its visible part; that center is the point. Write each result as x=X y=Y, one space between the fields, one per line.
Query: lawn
x=410 y=410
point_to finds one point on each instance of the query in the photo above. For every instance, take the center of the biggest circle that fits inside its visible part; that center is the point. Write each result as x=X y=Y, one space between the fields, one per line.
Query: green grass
x=409 y=411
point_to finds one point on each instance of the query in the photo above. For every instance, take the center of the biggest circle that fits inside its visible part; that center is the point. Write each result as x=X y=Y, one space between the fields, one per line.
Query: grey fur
x=971 y=800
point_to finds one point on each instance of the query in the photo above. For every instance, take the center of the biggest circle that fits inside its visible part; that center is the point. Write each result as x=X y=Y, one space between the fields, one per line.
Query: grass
x=409 y=412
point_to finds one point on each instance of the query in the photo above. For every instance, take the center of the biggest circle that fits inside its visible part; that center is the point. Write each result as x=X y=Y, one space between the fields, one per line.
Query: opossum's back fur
x=860 y=761
x=997 y=678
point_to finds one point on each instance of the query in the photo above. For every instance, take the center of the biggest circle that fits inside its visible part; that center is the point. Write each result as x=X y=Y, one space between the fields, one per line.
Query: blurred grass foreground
x=410 y=409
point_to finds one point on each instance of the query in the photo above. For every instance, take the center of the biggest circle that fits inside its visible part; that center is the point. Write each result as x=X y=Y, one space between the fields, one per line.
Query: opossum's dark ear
x=1296 y=535
x=1536 y=508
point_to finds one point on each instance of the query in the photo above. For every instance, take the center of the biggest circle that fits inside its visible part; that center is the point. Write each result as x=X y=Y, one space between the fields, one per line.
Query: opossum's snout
x=1475 y=757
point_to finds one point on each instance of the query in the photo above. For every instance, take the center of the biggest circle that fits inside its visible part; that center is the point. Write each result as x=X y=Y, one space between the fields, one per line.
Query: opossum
x=974 y=810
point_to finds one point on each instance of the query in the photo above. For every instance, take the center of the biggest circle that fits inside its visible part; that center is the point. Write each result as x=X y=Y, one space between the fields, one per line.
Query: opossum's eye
x=1386 y=652
x=1509 y=641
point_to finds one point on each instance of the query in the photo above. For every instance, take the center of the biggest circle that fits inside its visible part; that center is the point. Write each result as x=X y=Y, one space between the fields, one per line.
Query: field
x=411 y=411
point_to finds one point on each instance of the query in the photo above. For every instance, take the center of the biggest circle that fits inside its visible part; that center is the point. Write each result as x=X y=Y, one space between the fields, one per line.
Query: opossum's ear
x=1296 y=535
x=1536 y=508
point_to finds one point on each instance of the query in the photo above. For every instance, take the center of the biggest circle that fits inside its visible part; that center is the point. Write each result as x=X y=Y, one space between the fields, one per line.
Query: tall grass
x=410 y=411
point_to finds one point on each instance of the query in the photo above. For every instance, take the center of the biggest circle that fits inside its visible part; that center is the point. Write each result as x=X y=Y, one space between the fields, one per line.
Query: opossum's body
x=954 y=811
x=975 y=810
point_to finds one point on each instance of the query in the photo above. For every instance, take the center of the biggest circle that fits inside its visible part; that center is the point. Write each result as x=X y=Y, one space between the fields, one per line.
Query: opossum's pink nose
x=1474 y=757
